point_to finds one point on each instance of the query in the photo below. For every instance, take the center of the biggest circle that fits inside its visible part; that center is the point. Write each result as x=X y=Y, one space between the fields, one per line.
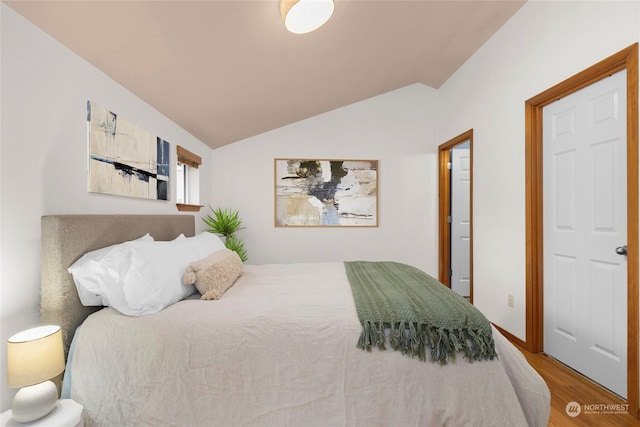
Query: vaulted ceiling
x=228 y=70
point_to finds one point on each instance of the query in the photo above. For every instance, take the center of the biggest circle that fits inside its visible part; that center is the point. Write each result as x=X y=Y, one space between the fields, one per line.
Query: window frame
x=189 y=161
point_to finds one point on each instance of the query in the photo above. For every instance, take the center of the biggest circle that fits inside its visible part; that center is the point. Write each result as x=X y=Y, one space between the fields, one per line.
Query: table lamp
x=34 y=357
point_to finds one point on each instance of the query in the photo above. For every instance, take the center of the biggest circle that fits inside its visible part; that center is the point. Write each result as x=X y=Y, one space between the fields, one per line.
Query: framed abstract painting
x=124 y=159
x=326 y=193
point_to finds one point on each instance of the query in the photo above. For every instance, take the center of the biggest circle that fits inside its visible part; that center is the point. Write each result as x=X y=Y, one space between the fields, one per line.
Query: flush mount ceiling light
x=303 y=16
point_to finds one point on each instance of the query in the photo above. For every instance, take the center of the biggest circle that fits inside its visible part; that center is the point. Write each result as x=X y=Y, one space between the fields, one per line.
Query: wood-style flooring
x=567 y=386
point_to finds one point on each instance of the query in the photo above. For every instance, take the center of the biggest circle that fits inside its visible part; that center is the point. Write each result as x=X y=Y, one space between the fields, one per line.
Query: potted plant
x=226 y=222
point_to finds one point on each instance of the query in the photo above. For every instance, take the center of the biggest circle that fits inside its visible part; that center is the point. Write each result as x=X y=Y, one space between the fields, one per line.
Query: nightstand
x=67 y=413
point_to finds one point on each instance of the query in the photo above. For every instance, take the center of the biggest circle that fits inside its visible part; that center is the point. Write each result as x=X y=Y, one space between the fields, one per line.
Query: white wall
x=45 y=88
x=542 y=45
x=398 y=128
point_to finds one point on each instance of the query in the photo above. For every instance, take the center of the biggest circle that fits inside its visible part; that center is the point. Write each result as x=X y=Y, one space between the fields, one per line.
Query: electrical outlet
x=510 y=300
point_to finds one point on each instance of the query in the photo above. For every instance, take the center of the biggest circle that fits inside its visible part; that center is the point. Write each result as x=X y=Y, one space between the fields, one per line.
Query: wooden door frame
x=625 y=59
x=444 y=209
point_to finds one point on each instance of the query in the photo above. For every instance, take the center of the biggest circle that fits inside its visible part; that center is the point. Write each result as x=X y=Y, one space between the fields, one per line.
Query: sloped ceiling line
x=229 y=70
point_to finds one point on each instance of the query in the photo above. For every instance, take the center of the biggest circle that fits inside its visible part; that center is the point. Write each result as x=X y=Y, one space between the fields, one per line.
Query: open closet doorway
x=455 y=214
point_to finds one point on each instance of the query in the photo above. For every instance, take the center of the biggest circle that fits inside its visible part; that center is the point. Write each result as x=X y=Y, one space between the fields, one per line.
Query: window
x=187 y=180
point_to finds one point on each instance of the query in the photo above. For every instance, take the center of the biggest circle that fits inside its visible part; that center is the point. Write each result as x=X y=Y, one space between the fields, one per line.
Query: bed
x=278 y=349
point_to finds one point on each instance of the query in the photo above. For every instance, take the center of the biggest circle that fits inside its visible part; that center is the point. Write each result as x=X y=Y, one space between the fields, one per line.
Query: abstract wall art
x=331 y=193
x=124 y=159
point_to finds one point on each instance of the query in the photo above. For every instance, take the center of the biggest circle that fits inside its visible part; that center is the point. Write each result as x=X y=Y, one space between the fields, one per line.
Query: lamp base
x=34 y=402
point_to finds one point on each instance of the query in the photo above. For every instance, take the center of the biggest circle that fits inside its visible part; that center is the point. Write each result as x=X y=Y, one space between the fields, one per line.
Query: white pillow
x=146 y=277
x=205 y=243
x=87 y=282
x=154 y=278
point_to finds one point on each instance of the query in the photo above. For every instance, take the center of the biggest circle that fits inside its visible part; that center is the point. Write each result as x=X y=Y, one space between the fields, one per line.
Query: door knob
x=621 y=250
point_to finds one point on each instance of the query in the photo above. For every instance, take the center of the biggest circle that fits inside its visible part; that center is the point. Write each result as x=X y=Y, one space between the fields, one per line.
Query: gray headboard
x=65 y=238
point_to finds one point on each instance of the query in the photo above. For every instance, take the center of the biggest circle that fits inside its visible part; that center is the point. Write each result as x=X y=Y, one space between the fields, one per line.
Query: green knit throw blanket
x=420 y=314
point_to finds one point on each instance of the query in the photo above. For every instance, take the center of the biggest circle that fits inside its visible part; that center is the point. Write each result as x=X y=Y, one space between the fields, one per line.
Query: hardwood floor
x=567 y=386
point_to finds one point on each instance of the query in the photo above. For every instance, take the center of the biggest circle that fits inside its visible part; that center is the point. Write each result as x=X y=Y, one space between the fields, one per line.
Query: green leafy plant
x=227 y=222
x=236 y=244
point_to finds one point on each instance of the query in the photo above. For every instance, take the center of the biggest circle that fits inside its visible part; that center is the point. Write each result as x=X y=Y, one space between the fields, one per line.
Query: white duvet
x=279 y=349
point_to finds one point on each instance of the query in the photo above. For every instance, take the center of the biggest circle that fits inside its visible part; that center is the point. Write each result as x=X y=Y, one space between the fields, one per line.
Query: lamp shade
x=303 y=16
x=34 y=356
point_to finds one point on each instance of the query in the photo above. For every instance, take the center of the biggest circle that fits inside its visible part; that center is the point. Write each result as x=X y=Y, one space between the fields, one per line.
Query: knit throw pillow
x=214 y=274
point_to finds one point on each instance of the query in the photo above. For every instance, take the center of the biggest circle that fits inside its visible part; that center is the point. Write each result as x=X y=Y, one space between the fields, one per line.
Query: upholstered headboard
x=65 y=238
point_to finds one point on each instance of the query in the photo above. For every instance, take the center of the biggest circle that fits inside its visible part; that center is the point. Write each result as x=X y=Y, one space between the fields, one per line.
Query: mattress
x=279 y=349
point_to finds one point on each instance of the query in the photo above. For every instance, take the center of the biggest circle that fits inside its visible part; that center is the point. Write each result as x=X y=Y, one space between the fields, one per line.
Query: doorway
x=455 y=267
x=626 y=59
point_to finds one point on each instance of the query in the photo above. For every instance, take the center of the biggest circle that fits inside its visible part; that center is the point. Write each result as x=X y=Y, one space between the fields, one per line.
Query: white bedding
x=279 y=349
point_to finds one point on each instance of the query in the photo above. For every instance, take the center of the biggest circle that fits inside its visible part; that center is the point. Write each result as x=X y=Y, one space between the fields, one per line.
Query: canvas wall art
x=312 y=192
x=124 y=159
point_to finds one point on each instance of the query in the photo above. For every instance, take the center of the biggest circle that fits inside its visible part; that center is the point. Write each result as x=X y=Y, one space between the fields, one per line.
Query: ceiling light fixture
x=303 y=16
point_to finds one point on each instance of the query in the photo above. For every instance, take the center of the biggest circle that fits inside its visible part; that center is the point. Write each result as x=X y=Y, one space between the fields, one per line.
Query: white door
x=584 y=215
x=461 y=220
